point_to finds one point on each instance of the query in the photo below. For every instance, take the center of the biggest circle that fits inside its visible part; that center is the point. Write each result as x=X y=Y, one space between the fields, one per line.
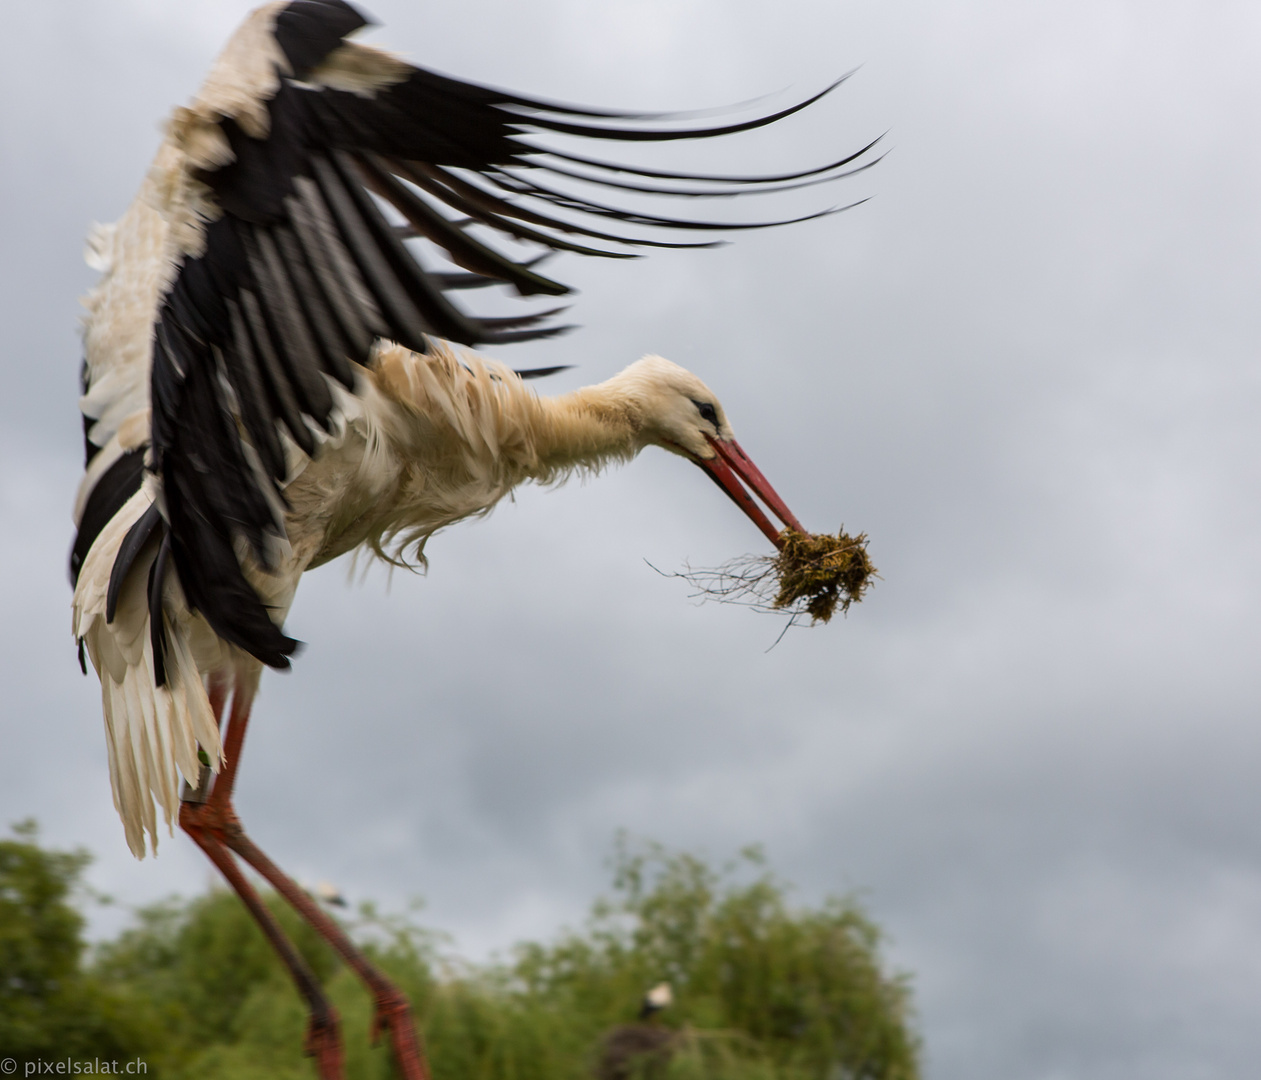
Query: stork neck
x=590 y=426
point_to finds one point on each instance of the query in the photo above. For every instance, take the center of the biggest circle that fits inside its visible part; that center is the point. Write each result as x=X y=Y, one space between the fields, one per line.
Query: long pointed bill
x=728 y=468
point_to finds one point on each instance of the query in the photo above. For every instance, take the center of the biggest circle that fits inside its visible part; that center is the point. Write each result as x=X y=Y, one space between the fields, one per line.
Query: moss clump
x=818 y=571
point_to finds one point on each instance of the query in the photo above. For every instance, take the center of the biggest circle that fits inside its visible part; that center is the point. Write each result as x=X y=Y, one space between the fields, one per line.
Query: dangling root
x=812 y=574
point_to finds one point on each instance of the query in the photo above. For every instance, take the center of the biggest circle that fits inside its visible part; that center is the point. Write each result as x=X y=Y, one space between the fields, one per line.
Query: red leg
x=217 y=818
x=235 y=738
x=217 y=691
x=323 y=1041
x=393 y=1011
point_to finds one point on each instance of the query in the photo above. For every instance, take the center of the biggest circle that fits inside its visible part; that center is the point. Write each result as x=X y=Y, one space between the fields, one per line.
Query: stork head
x=680 y=413
x=659 y=997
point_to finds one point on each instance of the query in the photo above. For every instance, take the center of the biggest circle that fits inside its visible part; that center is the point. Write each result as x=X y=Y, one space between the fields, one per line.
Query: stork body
x=428 y=440
x=267 y=386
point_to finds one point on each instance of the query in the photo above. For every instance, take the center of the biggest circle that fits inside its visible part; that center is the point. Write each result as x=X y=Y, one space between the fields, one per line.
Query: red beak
x=728 y=468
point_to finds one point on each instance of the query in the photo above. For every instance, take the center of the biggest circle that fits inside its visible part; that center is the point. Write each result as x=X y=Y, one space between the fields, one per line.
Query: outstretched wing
x=302 y=268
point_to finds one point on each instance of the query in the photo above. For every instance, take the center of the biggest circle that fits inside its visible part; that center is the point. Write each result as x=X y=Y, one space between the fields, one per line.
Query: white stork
x=268 y=384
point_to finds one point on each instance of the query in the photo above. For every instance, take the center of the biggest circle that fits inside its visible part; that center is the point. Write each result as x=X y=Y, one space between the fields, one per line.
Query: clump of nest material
x=812 y=574
x=636 y=1052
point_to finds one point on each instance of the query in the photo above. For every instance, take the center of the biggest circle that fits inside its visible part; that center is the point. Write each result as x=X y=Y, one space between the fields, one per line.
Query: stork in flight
x=269 y=383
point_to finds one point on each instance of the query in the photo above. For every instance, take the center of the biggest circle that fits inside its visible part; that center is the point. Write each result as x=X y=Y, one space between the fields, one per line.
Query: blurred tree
x=227 y=1006
x=48 y=1006
x=762 y=991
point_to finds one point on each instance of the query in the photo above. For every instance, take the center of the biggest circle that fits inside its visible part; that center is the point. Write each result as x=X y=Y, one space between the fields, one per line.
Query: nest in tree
x=812 y=574
x=635 y=1052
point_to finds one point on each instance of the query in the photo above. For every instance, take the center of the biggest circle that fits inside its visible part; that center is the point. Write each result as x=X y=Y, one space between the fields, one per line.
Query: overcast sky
x=1027 y=368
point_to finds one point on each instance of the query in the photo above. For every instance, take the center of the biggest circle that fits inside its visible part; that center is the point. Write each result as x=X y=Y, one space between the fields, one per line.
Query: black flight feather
x=116 y=485
x=487 y=208
x=461 y=247
x=157 y=626
x=308 y=30
x=540 y=372
x=707 y=178
x=595 y=131
x=133 y=543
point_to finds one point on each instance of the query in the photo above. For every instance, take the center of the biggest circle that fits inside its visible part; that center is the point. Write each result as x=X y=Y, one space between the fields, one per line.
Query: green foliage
x=763 y=991
x=206 y=961
x=227 y=1006
x=759 y=988
x=48 y=1005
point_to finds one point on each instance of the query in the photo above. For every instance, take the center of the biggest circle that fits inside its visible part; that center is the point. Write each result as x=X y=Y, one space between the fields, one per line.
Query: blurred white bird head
x=656 y=999
x=328 y=893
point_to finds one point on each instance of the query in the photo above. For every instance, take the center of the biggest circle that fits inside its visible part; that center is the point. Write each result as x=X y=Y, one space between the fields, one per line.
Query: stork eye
x=707 y=411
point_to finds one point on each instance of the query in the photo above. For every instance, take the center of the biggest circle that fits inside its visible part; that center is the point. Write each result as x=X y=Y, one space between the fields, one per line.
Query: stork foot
x=216 y=819
x=323 y=1038
x=323 y=1042
x=394 y=1015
